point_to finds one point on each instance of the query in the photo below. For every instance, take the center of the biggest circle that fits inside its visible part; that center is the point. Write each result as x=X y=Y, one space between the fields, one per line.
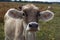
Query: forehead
x=29 y=7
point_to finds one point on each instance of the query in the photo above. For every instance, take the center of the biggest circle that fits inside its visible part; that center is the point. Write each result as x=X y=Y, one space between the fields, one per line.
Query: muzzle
x=32 y=26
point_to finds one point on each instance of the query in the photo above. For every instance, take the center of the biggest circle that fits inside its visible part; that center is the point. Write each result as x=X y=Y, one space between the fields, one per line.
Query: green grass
x=48 y=31
x=1 y=31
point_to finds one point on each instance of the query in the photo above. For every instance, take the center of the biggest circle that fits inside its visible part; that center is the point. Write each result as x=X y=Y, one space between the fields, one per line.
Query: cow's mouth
x=33 y=29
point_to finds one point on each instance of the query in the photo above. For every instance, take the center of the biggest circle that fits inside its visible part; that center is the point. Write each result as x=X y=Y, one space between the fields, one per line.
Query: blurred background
x=48 y=31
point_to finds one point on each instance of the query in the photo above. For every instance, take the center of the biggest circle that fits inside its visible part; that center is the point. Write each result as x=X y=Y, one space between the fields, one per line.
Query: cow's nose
x=33 y=25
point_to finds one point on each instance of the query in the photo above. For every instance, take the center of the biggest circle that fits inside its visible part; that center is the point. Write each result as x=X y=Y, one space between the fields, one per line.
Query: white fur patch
x=38 y=28
x=27 y=27
x=33 y=23
x=29 y=6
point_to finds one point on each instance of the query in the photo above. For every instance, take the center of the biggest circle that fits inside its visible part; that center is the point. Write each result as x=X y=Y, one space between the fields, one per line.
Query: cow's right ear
x=46 y=15
x=14 y=13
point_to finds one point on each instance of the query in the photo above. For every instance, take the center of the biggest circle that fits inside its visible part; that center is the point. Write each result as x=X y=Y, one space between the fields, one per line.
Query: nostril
x=30 y=25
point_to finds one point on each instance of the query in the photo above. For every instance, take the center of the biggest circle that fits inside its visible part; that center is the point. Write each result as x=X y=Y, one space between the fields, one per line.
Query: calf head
x=31 y=14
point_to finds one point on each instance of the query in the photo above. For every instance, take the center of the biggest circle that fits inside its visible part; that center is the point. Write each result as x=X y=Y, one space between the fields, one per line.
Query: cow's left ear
x=46 y=15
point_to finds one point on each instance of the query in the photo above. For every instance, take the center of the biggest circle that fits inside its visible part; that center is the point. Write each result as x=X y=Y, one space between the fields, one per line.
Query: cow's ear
x=46 y=15
x=14 y=13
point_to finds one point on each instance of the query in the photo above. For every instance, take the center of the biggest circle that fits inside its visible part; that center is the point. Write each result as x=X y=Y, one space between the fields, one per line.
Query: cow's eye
x=38 y=13
x=24 y=14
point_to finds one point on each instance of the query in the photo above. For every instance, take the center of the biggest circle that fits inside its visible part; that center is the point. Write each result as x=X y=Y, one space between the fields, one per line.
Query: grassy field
x=49 y=30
